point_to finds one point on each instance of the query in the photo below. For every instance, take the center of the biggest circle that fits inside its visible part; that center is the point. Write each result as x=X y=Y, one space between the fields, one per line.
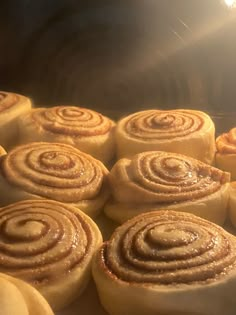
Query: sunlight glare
x=230 y=3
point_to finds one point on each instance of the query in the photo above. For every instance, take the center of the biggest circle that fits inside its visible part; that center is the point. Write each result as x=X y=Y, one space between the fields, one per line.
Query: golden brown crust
x=168 y=248
x=44 y=243
x=158 y=180
x=40 y=237
x=182 y=131
x=72 y=121
x=154 y=125
x=163 y=178
x=226 y=152
x=87 y=130
x=226 y=143
x=167 y=262
x=55 y=171
x=7 y=100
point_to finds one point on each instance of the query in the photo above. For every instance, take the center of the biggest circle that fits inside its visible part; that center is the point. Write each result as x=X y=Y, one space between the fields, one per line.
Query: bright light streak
x=230 y=3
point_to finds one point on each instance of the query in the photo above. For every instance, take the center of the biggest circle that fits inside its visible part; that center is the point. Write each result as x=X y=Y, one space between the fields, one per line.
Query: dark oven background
x=120 y=55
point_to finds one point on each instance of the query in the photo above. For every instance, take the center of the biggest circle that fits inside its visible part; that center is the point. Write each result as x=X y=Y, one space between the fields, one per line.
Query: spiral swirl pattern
x=42 y=240
x=164 y=178
x=155 y=125
x=55 y=171
x=72 y=121
x=7 y=100
x=168 y=248
x=226 y=143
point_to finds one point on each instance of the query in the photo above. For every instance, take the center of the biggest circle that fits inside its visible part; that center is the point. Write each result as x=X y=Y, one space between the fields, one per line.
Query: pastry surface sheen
x=182 y=131
x=167 y=262
x=53 y=171
x=162 y=180
x=50 y=246
x=85 y=129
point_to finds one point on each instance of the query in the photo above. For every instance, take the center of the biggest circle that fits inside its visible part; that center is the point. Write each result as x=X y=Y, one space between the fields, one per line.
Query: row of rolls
x=188 y=132
x=168 y=192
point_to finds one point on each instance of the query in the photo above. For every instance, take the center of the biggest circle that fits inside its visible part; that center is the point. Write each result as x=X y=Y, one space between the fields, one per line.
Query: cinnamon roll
x=226 y=152
x=49 y=245
x=53 y=171
x=11 y=106
x=19 y=298
x=162 y=180
x=83 y=128
x=182 y=131
x=167 y=262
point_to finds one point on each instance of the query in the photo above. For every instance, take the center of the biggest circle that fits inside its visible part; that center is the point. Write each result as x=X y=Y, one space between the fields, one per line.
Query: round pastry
x=11 y=106
x=53 y=171
x=19 y=298
x=167 y=262
x=182 y=131
x=82 y=128
x=226 y=152
x=162 y=180
x=49 y=245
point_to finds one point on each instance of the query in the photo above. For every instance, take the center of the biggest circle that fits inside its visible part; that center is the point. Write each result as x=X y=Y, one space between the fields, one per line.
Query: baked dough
x=85 y=129
x=49 y=245
x=162 y=180
x=167 y=263
x=53 y=171
x=188 y=132
x=226 y=152
x=19 y=298
x=11 y=106
x=232 y=202
x=2 y=151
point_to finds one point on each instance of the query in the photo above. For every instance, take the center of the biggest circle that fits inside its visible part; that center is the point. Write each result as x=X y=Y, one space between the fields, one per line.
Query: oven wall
x=120 y=55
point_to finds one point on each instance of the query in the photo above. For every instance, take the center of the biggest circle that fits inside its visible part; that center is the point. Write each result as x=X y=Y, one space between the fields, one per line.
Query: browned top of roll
x=168 y=248
x=7 y=100
x=155 y=125
x=55 y=171
x=41 y=240
x=164 y=177
x=226 y=143
x=72 y=121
